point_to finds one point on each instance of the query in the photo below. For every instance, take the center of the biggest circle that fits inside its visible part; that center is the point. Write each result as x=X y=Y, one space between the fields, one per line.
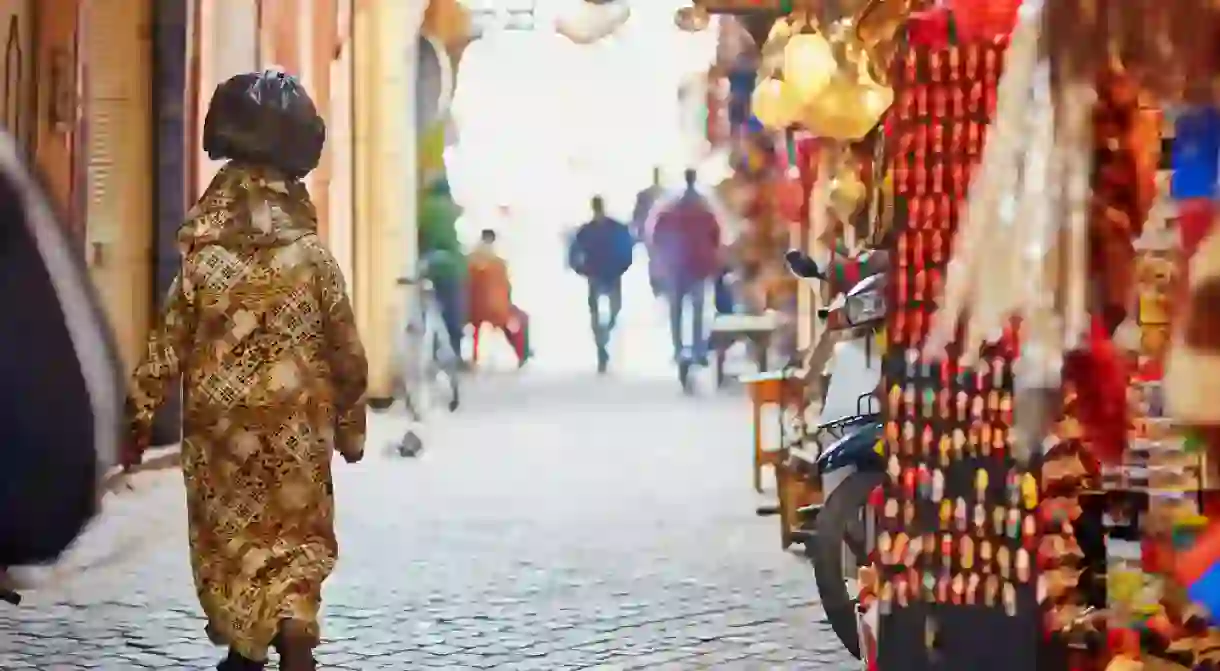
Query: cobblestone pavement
x=554 y=523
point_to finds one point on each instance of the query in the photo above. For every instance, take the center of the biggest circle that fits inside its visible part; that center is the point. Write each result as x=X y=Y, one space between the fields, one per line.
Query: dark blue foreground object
x=60 y=409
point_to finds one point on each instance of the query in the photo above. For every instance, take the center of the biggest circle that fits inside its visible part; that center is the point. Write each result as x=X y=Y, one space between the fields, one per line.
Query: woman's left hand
x=132 y=453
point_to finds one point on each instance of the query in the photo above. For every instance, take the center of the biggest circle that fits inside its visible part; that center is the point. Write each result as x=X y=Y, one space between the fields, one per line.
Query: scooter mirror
x=802 y=265
x=865 y=303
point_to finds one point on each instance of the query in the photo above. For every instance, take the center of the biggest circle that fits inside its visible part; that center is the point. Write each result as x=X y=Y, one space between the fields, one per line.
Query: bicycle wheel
x=443 y=370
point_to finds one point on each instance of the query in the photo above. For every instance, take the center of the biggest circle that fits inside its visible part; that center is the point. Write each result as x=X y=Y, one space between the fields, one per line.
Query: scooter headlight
x=865 y=307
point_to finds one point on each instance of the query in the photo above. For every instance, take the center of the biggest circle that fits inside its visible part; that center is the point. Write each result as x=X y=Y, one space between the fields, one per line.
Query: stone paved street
x=555 y=522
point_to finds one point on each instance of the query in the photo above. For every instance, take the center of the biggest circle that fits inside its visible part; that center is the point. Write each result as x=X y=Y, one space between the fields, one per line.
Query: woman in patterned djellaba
x=259 y=326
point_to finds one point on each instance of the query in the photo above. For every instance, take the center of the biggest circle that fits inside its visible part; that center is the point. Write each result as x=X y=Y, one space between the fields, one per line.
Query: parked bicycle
x=429 y=372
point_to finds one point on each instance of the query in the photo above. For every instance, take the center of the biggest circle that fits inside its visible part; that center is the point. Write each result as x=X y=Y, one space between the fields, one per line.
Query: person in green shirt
x=441 y=251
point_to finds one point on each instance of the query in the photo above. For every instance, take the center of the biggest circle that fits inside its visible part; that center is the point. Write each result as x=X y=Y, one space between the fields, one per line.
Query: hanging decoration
x=448 y=21
x=1041 y=160
x=984 y=19
x=773 y=103
x=593 y=20
x=828 y=75
x=847 y=190
x=809 y=64
x=692 y=19
x=877 y=24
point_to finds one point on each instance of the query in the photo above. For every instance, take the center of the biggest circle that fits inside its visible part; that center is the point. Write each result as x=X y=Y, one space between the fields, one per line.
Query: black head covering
x=266 y=119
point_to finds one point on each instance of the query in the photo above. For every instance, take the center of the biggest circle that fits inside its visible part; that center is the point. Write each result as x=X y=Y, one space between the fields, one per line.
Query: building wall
x=228 y=38
x=385 y=34
x=339 y=162
x=117 y=129
x=58 y=102
x=17 y=109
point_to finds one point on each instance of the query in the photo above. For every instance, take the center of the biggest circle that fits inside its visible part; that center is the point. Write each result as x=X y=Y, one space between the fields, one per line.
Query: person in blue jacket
x=602 y=252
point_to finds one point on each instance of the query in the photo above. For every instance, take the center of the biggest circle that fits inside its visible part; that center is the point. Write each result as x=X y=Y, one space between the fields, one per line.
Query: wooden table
x=758 y=330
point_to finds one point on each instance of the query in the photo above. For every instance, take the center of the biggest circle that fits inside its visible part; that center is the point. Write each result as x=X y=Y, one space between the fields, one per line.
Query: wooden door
x=17 y=111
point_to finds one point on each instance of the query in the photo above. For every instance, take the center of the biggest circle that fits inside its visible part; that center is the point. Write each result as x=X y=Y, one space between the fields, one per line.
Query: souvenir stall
x=957 y=540
x=1115 y=418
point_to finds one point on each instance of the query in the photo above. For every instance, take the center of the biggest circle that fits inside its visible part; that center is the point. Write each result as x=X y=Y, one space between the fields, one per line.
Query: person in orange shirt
x=491 y=298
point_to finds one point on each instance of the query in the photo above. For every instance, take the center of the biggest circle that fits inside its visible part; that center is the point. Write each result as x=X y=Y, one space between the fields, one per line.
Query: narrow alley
x=557 y=521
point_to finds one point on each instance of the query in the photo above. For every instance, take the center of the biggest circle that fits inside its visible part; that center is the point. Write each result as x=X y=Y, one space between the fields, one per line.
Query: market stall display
x=959 y=536
x=1050 y=432
x=1068 y=297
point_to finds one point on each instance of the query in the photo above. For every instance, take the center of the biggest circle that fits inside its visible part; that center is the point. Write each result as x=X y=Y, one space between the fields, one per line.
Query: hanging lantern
x=853 y=103
x=593 y=20
x=984 y=19
x=773 y=104
x=692 y=19
x=847 y=192
x=449 y=22
x=809 y=64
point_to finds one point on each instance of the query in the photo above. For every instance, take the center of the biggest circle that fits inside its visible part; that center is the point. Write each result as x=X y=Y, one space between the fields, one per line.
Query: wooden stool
x=795 y=490
x=780 y=388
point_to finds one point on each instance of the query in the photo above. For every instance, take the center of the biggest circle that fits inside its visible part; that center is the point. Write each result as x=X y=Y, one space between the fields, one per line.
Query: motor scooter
x=837 y=534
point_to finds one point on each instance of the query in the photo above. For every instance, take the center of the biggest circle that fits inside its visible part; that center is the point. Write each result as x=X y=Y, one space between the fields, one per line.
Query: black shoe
x=235 y=662
x=603 y=362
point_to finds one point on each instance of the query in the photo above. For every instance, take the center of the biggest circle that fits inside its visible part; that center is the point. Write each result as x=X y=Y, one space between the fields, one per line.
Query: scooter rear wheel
x=841 y=528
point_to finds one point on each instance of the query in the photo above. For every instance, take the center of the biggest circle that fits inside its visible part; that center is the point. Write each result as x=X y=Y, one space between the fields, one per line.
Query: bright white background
x=543 y=125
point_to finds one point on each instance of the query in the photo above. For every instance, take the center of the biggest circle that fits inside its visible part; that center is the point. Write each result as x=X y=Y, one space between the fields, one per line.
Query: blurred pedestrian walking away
x=491 y=300
x=259 y=326
x=442 y=252
x=602 y=252
x=687 y=252
x=642 y=218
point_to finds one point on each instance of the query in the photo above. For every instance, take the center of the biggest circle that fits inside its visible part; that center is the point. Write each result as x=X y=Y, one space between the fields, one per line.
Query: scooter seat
x=855 y=448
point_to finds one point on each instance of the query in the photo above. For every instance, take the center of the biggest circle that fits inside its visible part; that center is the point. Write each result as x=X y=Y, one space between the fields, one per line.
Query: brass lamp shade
x=773 y=105
x=808 y=65
x=853 y=102
x=847 y=192
x=847 y=111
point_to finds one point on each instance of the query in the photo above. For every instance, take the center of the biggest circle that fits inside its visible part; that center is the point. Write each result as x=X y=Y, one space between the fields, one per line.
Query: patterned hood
x=247 y=207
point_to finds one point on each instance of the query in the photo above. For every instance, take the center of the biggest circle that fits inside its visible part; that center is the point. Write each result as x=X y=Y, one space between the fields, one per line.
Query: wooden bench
x=758 y=330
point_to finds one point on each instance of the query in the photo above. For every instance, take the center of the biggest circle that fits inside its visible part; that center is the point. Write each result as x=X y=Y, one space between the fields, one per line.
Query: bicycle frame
x=425 y=349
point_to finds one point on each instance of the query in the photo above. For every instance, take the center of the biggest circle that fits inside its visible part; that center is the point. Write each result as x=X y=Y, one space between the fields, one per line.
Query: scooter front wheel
x=842 y=532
